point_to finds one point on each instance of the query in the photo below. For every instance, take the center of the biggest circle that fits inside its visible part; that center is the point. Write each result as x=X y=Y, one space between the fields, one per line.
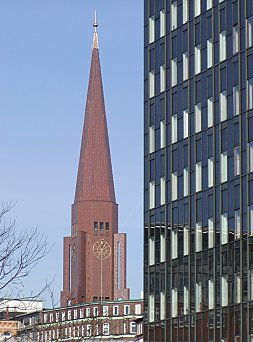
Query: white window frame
x=186 y=240
x=197 y=59
x=186 y=301
x=198 y=176
x=209 y=4
x=185 y=11
x=210 y=53
x=174 y=244
x=174 y=301
x=151 y=194
x=127 y=310
x=224 y=166
x=162 y=78
x=223 y=46
x=186 y=181
x=250 y=93
x=210 y=172
x=151 y=308
x=210 y=112
x=162 y=190
x=162 y=23
x=211 y=234
x=198 y=118
x=173 y=72
x=162 y=134
x=224 y=228
x=151 y=83
x=174 y=128
x=251 y=219
x=250 y=32
x=198 y=297
x=162 y=248
x=223 y=106
x=151 y=134
x=185 y=65
x=151 y=251
x=174 y=186
x=173 y=17
x=197 y=7
x=162 y=305
x=250 y=156
x=210 y=294
x=151 y=29
x=224 y=290
x=115 y=310
x=198 y=237
x=186 y=123
x=237 y=160
x=235 y=39
x=236 y=100
x=237 y=218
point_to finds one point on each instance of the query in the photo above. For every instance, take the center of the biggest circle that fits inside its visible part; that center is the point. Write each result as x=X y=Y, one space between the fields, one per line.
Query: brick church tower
x=95 y=254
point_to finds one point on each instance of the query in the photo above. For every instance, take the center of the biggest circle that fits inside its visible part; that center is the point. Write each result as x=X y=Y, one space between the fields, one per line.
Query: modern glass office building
x=198 y=184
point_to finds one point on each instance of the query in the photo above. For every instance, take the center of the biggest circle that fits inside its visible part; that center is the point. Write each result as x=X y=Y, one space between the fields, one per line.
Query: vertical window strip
x=223 y=106
x=151 y=29
x=250 y=94
x=186 y=121
x=173 y=72
x=210 y=294
x=186 y=181
x=198 y=237
x=198 y=176
x=151 y=139
x=224 y=228
x=186 y=240
x=174 y=186
x=162 y=78
x=198 y=297
x=198 y=119
x=162 y=190
x=162 y=23
x=223 y=166
x=151 y=194
x=151 y=250
x=185 y=11
x=151 y=83
x=174 y=128
x=237 y=161
x=185 y=66
x=236 y=99
x=250 y=32
x=174 y=302
x=210 y=112
x=162 y=134
x=210 y=172
x=186 y=300
x=209 y=53
x=210 y=233
x=237 y=224
x=174 y=242
x=224 y=290
x=197 y=7
x=197 y=58
x=222 y=46
x=173 y=13
x=235 y=39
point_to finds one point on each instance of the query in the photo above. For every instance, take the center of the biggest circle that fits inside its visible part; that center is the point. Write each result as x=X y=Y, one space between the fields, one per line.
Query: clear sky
x=45 y=52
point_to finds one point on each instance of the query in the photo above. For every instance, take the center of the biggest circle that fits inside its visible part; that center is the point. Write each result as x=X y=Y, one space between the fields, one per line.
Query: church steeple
x=95 y=178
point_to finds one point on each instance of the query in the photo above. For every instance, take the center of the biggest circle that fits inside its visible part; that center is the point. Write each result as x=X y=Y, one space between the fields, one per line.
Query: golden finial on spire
x=95 y=38
x=95 y=25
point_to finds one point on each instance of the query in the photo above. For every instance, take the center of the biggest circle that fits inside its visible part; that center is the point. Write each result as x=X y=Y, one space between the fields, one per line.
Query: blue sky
x=44 y=61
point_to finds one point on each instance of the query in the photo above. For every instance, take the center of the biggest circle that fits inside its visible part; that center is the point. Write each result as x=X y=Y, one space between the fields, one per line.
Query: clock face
x=102 y=249
x=74 y=251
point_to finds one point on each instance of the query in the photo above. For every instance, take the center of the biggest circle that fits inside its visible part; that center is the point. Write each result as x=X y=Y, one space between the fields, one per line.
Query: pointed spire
x=95 y=178
x=95 y=37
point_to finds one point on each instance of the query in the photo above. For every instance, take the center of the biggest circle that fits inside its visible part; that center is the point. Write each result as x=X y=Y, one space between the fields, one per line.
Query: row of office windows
x=180 y=302
x=85 y=331
x=89 y=312
x=198 y=176
x=185 y=18
x=206 y=235
x=198 y=117
x=236 y=89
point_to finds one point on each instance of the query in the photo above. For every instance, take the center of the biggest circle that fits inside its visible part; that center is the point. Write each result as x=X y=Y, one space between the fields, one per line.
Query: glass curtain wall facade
x=198 y=165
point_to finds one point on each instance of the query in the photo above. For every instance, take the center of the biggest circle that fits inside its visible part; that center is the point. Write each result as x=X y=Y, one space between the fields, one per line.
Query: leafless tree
x=20 y=252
